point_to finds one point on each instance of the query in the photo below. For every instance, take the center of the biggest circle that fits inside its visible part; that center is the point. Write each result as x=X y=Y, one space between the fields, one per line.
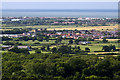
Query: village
x=75 y=34
x=84 y=36
x=83 y=21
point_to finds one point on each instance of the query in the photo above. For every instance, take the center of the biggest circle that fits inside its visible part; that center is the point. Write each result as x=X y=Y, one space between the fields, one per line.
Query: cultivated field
x=94 y=46
x=89 y=28
x=68 y=27
x=107 y=39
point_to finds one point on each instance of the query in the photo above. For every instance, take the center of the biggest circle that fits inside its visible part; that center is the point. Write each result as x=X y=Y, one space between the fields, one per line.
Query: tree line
x=59 y=67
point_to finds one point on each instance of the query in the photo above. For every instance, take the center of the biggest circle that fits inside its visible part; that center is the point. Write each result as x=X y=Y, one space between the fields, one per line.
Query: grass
x=103 y=52
x=87 y=28
x=42 y=52
x=30 y=42
x=67 y=27
x=107 y=39
x=32 y=52
x=96 y=46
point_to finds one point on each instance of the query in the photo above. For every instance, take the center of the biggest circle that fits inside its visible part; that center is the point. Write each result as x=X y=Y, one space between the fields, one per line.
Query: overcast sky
x=60 y=5
x=60 y=0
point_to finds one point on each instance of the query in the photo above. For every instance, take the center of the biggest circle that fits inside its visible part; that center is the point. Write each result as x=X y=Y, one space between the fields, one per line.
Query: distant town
x=45 y=28
x=27 y=21
x=94 y=34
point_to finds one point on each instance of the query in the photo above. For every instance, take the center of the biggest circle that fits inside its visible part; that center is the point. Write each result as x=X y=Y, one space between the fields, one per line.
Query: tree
x=24 y=50
x=87 y=49
x=33 y=39
x=106 y=48
x=8 y=43
x=54 y=49
x=47 y=38
x=56 y=42
x=112 y=47
x=104 y=40
x=17 y=50
x=90 y=39
x=78 y=48
x=76 y=76
x=40 y=38
x=25 y=38
x=103 y=67
x=64 y=49
x=59 y=39
x=4 y=38
x=48 y=47
x=70 y=41
x=43 y=48
x=77 y=41
x=82 y=39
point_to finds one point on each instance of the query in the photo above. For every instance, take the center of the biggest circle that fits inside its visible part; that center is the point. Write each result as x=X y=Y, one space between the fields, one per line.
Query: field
x=94 y=46
x=68 y=27
x=107 y=39
x=89 y=28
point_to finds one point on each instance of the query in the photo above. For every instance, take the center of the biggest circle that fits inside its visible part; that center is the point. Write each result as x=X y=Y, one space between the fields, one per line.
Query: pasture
x=66 y=27
x=94 y=46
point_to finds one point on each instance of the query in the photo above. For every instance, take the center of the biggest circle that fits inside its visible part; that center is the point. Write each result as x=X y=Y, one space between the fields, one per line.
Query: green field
x=65 y=27
x=94 y=46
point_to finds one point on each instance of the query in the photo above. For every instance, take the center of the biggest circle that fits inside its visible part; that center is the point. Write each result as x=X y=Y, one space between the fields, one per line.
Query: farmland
x=70 y=27
x=69 y=50
x=94 y=46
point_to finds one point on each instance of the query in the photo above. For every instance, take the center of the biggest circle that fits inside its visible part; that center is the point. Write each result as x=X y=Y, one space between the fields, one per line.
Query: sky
x=60 y=0
x=59 y=5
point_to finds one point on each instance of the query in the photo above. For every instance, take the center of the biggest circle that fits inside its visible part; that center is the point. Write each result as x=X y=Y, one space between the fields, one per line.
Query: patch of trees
x=59 y=67
x=12 y=43
x=70 y=41
x=19 y=50
x=14 y=31
x=6 y=38
x=83 y=39
x=38 y=51
x=8 y=43
x=87 y=49
x=59 y=39
x=50 y=21
x=64 y=49
x=104 y=40
x=109 y=48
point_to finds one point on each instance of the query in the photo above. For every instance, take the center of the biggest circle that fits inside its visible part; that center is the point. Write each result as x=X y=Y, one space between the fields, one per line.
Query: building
x=84 y=42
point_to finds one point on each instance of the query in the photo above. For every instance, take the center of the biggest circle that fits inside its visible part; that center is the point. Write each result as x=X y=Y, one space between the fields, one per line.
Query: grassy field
x=67 y=27
x=107 y=39
x=88 y=28
x=5 y=29
x=94 y=46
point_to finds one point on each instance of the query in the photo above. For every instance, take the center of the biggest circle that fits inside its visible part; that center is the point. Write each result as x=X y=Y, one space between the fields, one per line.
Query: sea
x=100 y=13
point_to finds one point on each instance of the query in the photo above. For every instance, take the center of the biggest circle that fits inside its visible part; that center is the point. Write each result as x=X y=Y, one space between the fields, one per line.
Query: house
x=84 y=42
x=27 y=47
x=15 y=19
x=8 y=47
